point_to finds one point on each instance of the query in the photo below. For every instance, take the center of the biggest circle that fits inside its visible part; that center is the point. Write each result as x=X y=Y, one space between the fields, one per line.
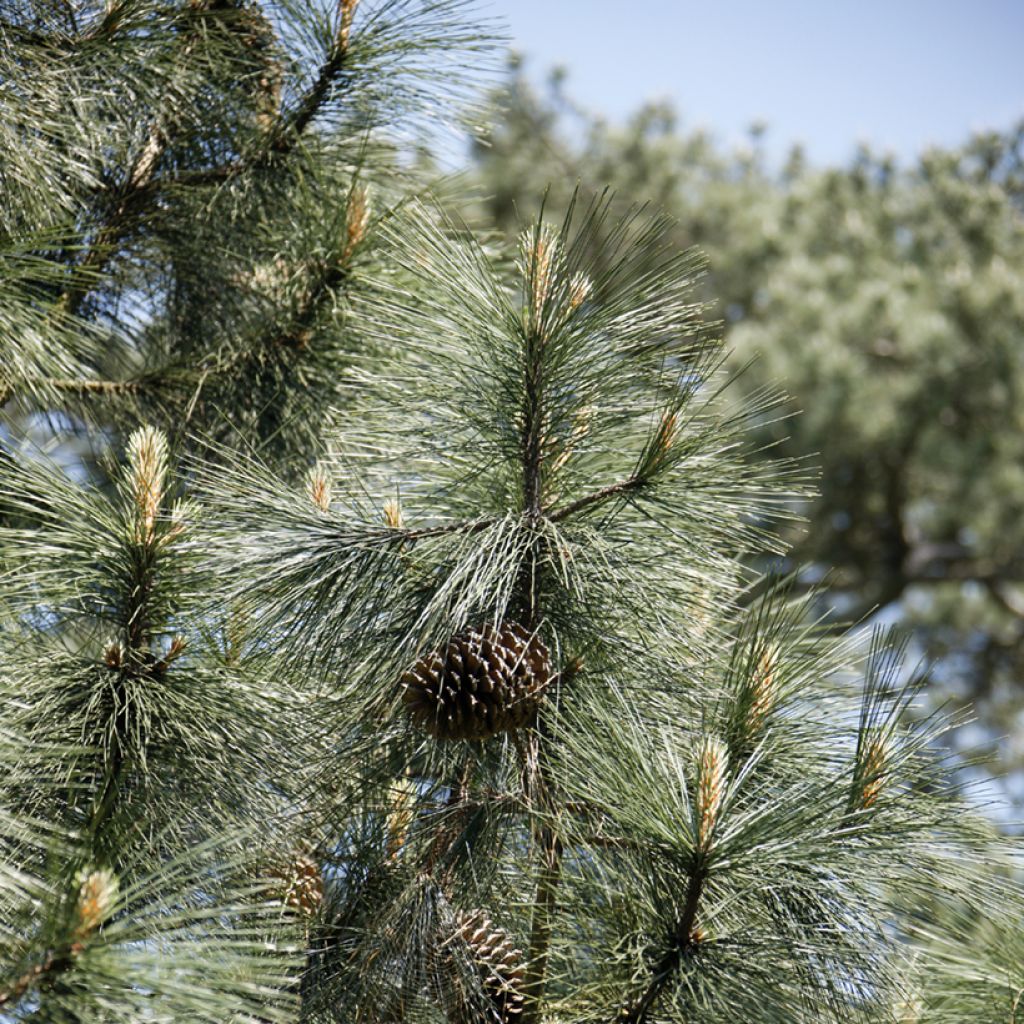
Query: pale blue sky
x=900 y=74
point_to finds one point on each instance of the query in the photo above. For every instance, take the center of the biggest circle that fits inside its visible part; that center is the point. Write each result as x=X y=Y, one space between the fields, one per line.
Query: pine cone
x=498 y=963
x=482 y=683
x=303 y=884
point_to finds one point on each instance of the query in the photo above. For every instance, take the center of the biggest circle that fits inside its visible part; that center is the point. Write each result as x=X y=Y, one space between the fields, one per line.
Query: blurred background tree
x=888 y=301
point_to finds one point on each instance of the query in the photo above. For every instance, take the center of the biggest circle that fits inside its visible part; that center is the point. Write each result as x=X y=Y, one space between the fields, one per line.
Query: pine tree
x=894 y=287
x=377 y=643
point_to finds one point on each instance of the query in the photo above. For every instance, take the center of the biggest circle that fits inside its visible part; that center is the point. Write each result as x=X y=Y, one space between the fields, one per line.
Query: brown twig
x=55 y=963
x=106 y=387
x=468 y=526
x=587 y=501
x=683 y=943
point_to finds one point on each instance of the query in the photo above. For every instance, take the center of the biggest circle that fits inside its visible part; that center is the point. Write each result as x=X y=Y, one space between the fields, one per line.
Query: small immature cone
x=145 y=165
x=763 y=691
x=346 y=12
x=392 y=513
x=113 y=655
x=873 y=768
x=357 y=220
x=147 y=458
x=177 y=648
x=712 y=765
x=318 y=484
x=97 y=893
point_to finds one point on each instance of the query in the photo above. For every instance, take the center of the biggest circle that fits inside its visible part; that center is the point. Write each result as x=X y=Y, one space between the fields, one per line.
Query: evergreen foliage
x=888 y=299
x=379 y=641
x=192 y=190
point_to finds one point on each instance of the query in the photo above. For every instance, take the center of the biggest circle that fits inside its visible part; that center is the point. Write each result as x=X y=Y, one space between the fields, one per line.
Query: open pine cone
x=499 y=964
x=302 y=886
x=483 y=682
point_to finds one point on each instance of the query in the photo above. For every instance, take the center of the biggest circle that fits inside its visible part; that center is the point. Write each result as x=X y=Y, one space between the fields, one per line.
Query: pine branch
x=141 y=188
x=295 y=335
x=332 y=276
x=288 y=132
x=98 y=387
x=96 y=893
x=104 y=245
x=544 y=904
x=654 y=458
x=682 y=945
x=538 y=269
x=709 y=791
x=132 y=194
x=320 y=90
x=108 y=24
x=135 y=662
x=55 y=963
x=27 y=37
x=633 y=483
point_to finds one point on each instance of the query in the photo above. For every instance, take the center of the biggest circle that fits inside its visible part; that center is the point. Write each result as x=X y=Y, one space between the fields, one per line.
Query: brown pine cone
x=499 y=964
x=302 y=886
x=483 y=682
